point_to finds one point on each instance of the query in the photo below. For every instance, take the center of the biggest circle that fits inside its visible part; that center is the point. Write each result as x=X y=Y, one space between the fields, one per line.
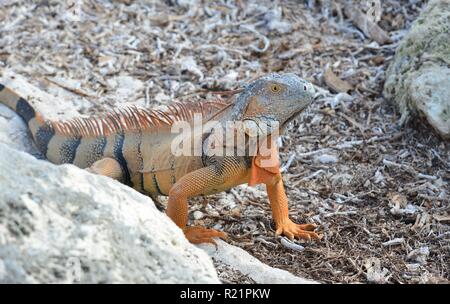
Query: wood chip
x=397 y=241
x=442 y=218
x=291 y=245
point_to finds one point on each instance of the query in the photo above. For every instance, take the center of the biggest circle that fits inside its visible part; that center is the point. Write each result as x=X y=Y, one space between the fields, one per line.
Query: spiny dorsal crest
x=134 y=118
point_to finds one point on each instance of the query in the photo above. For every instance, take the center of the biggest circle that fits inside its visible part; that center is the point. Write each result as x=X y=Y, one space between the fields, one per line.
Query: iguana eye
x=275 y=88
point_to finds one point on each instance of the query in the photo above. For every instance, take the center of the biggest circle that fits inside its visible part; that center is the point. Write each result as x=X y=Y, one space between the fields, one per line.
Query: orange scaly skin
x=279 y=205
x=271 y=177
x=134 y=147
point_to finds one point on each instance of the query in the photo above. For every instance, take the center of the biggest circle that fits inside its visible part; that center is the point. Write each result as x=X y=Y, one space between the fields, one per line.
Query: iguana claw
x=198 y=235
x=292 y=230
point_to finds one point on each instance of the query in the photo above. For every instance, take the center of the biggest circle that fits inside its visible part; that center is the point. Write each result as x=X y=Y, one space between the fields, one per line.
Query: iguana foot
x=198 y=235
x=291 y=230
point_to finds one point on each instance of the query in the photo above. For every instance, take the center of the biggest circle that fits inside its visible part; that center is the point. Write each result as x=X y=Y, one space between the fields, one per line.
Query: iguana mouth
x=295 y=115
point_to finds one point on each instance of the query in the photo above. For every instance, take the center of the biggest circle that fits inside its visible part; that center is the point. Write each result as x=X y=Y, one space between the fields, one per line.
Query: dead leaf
x=335 y=83
x=369 y=28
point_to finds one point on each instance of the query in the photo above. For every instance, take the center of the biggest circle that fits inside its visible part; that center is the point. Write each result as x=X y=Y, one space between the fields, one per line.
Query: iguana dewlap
x=135 y=147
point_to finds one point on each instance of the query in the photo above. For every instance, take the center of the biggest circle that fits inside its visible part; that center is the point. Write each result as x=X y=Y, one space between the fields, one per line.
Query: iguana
x=134 y=146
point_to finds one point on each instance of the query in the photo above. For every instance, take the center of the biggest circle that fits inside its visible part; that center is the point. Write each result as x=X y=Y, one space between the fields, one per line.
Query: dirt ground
x=378 y=191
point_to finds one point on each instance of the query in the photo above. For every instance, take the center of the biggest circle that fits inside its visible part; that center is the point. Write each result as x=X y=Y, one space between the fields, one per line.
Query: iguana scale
x=134 y=146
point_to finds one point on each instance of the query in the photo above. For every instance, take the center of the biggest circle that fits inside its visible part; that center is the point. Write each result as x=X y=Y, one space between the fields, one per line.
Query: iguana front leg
x=266 y=170
x=279 y=204
x=202 y=181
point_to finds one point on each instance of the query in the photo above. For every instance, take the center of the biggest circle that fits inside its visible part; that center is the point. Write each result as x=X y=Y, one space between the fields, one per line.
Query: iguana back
x=138 y=139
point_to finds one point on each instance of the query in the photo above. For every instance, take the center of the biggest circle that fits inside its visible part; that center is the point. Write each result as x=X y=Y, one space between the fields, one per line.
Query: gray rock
x=60 y=224
x=418 y=79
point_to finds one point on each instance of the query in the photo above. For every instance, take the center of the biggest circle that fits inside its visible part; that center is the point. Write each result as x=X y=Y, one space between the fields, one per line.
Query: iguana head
x=274 y=99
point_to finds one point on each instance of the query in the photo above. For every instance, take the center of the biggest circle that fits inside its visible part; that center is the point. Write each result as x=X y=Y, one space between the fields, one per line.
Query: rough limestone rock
x=418 y=79
x=241 y=260
x=13 y=132
x=60 y=224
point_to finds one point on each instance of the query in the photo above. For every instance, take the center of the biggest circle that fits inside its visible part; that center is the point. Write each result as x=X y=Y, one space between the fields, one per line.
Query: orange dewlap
x=263 y=174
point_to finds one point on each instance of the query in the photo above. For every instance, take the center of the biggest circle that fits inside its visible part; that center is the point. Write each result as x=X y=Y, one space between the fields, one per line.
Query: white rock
x=241 y=260
x=198 y=215
x=419 y=255
x=48 y=104
x=227 y=202
x=60 y=224
x=378 y=177
x=326 y=159
x=14 y=131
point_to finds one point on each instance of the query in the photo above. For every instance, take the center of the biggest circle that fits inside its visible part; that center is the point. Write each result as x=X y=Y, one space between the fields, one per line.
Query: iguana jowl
x=134 y=146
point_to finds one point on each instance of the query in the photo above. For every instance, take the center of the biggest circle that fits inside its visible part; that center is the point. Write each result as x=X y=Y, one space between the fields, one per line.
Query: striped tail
x=41 y=129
